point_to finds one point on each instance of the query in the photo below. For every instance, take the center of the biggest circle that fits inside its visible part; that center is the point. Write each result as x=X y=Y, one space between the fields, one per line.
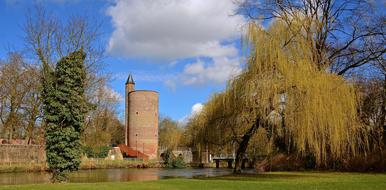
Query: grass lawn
x=266 y=181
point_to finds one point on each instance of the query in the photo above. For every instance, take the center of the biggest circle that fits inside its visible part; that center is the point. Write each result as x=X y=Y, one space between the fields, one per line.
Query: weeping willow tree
x=206 y=129
x=285 y=92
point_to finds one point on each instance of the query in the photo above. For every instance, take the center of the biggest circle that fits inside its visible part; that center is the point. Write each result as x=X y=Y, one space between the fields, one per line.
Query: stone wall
x=22 y=153
x=114 y=154
x=185 y=152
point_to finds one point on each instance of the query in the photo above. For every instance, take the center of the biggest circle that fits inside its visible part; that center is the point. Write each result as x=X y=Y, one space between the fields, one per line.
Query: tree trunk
x=10 y=124
x=28 y=137
x=383 y=113
x=31 y=125
x=244 y=145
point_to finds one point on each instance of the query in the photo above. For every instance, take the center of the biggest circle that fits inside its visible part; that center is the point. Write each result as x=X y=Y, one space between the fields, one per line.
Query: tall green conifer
x=64 y=109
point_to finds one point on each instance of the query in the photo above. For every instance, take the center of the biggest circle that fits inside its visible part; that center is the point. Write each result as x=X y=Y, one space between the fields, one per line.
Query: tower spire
x=130 y=80
x=129 y=87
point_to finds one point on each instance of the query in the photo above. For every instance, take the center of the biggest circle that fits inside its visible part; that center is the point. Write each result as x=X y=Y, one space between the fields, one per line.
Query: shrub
x=96 y=152
x=170 y=161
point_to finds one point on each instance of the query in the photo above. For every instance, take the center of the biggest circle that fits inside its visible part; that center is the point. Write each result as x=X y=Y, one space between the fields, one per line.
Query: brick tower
x=141 y=119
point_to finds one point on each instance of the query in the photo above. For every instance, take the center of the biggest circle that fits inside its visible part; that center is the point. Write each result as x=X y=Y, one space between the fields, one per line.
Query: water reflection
x=111 y=175
x=23 y=178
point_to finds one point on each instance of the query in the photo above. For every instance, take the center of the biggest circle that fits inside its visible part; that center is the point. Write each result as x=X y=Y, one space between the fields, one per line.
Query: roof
x=130 y=80
x=130 y=152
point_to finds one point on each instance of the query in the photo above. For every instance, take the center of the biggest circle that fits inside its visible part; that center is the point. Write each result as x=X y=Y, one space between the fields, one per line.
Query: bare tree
x=102 y=124
x=32 y=106
x=373 y=107
x=19 y=97
x=346 y=34
x=50 y=39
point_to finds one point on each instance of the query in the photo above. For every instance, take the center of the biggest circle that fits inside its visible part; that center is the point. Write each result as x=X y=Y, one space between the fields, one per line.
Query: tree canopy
x=283 y=90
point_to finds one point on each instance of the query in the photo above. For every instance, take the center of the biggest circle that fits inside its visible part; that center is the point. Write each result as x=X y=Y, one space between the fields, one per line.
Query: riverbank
x=86 y=164
x=95 y=164
x=266 y=181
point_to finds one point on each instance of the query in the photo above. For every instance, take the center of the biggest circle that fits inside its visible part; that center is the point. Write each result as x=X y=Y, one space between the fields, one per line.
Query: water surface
x=113 y=175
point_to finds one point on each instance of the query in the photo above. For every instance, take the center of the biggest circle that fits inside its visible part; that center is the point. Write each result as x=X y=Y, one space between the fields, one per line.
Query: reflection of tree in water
x=24 y=178
x=90 y=176
x=142 y=175
x=123 y=174
x=112 y=175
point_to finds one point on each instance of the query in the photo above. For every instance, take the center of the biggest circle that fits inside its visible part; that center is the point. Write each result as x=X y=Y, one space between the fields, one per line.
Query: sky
x=185 y=50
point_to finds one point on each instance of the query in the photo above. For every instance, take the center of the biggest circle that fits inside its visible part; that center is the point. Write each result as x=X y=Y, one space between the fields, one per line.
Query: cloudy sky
x=184 y=49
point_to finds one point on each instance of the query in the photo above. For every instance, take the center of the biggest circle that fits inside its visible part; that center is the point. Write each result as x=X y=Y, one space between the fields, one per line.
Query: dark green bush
x=178 y=162
x=170 y=161
x=88 y=151
x=102 y=151
x=96 y=152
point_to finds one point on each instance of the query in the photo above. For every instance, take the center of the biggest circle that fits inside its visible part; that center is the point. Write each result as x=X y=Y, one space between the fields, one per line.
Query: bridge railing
x=223 y=157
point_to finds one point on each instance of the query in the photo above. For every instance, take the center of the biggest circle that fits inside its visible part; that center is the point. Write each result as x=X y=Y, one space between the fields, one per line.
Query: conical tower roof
x=130 y=80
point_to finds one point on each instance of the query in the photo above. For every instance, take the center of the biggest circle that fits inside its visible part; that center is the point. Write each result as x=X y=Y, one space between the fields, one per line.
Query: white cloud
x=220 y=70
x=170 y=84
x=173 y=29
x=112 y=95
x=196 y=108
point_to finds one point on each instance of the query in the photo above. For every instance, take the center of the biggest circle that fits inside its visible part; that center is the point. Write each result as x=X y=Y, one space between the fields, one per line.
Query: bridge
x=229 y=160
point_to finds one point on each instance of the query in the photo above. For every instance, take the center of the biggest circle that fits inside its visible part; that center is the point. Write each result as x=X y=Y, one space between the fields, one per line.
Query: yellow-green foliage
x=284 y=88
x=320 y=107
x=260 y=144
x=170 y=135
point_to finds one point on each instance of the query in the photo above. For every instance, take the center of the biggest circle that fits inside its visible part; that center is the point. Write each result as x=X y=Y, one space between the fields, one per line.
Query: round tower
x=142 y=119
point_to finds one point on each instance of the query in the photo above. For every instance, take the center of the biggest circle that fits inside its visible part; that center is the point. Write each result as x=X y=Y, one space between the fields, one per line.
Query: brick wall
x=22 y=153
x=142 y=133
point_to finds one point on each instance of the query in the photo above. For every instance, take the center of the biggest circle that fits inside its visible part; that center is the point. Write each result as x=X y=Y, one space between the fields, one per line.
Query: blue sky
x=185 y=50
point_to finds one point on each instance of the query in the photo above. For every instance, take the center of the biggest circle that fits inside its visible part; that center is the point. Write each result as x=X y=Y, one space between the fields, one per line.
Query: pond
x=111 y=175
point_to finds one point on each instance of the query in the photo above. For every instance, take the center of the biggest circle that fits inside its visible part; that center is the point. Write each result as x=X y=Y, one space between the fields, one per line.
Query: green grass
x=22 y=167
x=266 y=181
